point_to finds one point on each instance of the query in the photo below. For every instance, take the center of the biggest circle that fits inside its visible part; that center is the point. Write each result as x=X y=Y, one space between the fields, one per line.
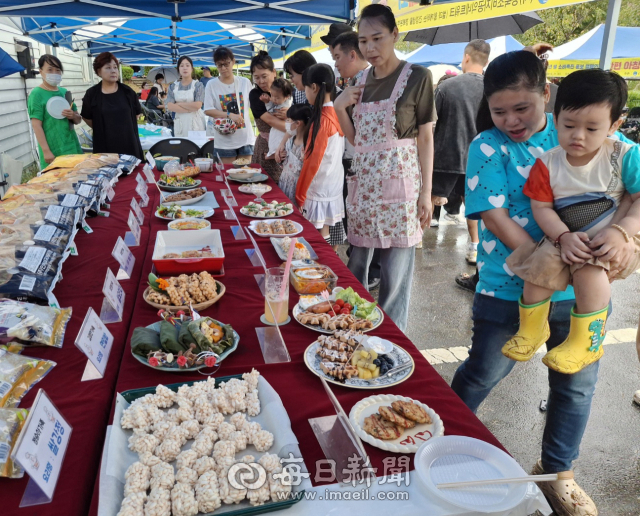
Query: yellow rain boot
x=533 y=331
x=583 y=345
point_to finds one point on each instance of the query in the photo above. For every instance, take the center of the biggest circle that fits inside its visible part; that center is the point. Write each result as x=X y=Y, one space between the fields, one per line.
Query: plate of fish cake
x=395 y=423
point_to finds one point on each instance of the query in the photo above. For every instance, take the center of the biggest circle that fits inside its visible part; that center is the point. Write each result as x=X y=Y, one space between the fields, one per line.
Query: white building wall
x=16 y=135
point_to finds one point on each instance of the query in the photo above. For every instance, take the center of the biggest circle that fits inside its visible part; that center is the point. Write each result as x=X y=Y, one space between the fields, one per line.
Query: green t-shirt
x=61 y=139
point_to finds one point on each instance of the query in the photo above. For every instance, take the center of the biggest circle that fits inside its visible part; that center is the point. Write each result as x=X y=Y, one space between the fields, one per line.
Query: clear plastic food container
x=312 y=279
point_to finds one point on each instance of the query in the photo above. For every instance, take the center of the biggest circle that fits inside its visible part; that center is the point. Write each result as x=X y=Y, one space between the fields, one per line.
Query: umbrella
x=8 y=65
x=170 y=73
x=482 y=29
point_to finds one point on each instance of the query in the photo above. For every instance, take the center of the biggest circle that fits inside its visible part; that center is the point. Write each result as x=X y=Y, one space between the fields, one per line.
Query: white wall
x=16 y=136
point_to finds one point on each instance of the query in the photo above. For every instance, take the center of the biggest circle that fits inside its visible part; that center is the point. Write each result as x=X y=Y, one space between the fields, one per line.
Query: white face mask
x=54 y=79
x=290 y=130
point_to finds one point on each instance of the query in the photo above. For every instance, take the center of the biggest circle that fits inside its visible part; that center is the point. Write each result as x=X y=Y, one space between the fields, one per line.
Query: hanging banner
x=413 y=16
x=627 y=67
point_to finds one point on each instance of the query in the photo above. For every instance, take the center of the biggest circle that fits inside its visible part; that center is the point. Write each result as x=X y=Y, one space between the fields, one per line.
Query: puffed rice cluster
x=169 y=480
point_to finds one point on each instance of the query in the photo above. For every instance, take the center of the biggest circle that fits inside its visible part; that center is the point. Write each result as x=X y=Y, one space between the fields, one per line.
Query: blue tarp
x=149 y=39
x=625 y=46
x=8 y=65
x=279 y=12
x=452 y=53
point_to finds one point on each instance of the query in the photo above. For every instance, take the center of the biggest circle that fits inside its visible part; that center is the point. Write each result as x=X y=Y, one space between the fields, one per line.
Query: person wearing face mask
x=296 y=125
x=185 y=98
x=112 y=110
x=55 y=136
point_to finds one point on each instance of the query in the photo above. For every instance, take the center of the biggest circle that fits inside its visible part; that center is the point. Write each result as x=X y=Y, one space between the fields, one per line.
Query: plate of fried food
x=395 y=423
x=275 y=228
x=344 y=358
x=185 y=197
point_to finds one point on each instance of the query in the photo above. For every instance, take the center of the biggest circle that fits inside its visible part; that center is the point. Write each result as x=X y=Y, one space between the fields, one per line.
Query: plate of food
x=190 y=224
x=254 y=178
x=267 y=210
x=175 y=293
x=276 y=228
x=302 y=251
x=179 y=349
x=175 y=211
x=341 y=358
x=240 y=162
x=186 y=197
x=395 y=423
x=243 y=173
x=254 y=189
x=177 y=183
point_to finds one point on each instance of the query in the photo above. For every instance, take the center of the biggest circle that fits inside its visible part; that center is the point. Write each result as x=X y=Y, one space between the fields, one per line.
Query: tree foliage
x=564 y=24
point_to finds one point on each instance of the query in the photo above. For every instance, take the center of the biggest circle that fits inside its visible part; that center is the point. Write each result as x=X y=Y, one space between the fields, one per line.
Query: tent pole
x=609 y=37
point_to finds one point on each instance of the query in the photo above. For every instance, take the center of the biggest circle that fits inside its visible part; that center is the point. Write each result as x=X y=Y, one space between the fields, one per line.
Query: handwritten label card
x=114 y=299
x=125 y=258
x=95 y=341
x=136 y=209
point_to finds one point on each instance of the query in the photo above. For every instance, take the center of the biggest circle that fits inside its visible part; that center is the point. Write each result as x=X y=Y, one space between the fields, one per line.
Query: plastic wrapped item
x=28 y=214
x=45 y=235
x=25 y=287
x=32 y=323
x=65 y=218
x=11 y=423
x=38 y=261
x=18 y=374
x=74 y=201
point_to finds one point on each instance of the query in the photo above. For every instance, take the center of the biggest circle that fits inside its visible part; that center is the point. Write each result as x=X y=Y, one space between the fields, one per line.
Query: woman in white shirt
x=227 y=97
x=185 y=99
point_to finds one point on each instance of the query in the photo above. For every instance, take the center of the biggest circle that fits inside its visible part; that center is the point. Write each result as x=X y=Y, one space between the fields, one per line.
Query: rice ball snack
x=263 y=440
x=208 y=432
x=252 y=403
x=141 y=442
x=136 y=479
x=225 y=430
x=158 y=503
x=271 y=463
x=148 y=459
x=169 y=449
x=203 y=408
x=278 y=490
x=204 y=464
x=208 y=492
x=162 y=428
x=186 y=459
x=162 y=476
x=192 y=427
x=165 y=397
x=214 y=421
x=183 y=500
x=228 y=493
x=238 y=419
x=259 y=496
x=133 y=505
x=240 y=440
x=187 y=476
x=251 y=379
x=203 y=445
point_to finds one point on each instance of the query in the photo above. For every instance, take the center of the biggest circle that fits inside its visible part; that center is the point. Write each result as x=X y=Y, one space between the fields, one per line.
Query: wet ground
x=439 y=323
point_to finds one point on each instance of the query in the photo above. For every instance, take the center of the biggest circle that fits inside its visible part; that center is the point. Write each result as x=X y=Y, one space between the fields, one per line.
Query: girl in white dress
x=297 y=119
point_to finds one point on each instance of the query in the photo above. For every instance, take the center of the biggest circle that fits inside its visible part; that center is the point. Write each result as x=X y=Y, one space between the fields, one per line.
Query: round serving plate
x=198 y=306
x=186 y=202
x=376 y=322
x=168 y=188
x=256 y=178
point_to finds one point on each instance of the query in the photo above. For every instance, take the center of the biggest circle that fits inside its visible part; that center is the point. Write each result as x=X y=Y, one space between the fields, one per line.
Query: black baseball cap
x=206 y=68
x=335 y=29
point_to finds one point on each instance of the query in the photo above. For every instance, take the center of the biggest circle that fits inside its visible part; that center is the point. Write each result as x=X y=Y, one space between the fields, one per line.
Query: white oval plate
x=457 y=458
x=246 y=214
x=248 y=189
x=207 y=211
x=254 y=225
x=185 y=202
x=56 y=105
x=410 y=440
x=376 y=322
x=398 y=355
x=173 y=222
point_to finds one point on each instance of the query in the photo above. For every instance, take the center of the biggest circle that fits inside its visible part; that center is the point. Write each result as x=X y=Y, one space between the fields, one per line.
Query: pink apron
x=383 y=194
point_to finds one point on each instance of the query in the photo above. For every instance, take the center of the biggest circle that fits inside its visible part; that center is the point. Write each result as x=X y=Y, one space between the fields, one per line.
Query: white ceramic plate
x=246 y=213
x=282 y=254
x=253 y=226
x=456 y=458
x=376 y=322
x=172 y=225
x=250 y=189
x=207 y=211
x=410 y=440
x=398 y=355
x=56 y=105
x=186 y=202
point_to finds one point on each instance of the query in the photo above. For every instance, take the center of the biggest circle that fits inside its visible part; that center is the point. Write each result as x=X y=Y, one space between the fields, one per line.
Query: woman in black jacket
x=112 y=109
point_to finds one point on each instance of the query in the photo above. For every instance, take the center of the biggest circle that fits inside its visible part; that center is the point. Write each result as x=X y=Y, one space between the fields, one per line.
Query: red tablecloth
x=87 y=405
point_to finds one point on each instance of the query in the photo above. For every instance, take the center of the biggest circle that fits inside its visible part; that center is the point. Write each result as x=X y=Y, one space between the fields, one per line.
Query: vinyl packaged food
x=38 y=188
x=18 y=374
x=39 y=261
x=29 y=200
x=45 y=235
x=33 y=323
x=65 y=218
x=22 y=215
x=74 y=201
x=11 y=422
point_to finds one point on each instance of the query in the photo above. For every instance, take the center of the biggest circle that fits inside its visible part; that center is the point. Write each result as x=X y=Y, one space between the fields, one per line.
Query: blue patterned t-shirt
x=497 y=170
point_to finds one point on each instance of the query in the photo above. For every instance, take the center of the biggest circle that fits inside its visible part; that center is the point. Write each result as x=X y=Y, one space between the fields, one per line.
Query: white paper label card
x=124 y=257
x=150 y=160
x=95 y=341
x=148 y=174
x=134 y=227
x=114 y=292
x=111 y=193
x=137 y=211
x=139 y=179
x=42 y=444
x=142 y=189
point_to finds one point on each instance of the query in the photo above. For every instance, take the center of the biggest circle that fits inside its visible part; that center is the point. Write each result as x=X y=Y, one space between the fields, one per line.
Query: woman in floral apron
x=185 y=99
x=391 y=127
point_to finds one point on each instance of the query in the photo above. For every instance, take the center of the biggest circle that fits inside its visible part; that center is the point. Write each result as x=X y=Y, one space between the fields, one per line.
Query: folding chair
x=179 y=147
x=207 y=149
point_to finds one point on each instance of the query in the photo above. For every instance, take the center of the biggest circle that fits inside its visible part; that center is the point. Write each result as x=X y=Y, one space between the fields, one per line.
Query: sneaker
x=452 y=218
x=471 y=256
x=564 y=495
x=373 y=283
x=435 y=223
x=636 y=397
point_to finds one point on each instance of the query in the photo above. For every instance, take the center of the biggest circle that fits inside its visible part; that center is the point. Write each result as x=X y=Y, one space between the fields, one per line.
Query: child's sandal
x=564 y=495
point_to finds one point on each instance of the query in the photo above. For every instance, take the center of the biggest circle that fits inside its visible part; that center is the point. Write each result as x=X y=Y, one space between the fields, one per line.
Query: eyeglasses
x=224 y=65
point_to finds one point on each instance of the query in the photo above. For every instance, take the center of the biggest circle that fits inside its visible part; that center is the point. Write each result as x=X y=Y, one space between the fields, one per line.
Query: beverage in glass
x=276 y=301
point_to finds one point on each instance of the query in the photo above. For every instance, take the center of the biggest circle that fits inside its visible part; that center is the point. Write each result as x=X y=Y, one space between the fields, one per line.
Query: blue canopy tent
x=8 y=65
x=452 y=53
x=625 y=45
